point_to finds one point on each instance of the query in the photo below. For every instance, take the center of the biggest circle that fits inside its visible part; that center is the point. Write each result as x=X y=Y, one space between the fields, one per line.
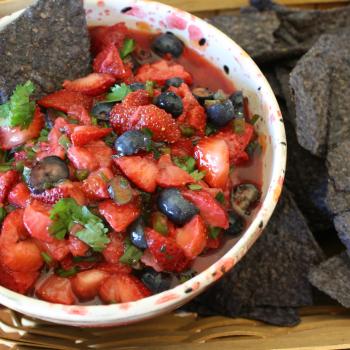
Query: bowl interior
x=154 y=17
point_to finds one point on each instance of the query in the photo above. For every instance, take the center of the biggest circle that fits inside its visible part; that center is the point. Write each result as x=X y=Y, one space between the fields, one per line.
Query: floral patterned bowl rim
x=149 y=15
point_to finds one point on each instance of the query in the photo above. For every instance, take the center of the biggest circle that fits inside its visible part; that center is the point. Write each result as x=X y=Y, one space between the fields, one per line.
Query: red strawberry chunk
x=86 y=284
x=182 y=148
x=51 y=196
x=12 y=137
x=57 y=290
x=119 y=217
x=160 y=123
x=123 y=288
x=115 y=248
x=93 y=84
x=7 y=181
x=87 y=133
x=212 y=155
x=237 y=143
x=79 y=113
x=162 y=70
x=114 y=268
x=141 y=171
x=192 y=237
x=171 y=175
x=37 y=220
x=13 y=228
x=57 y=249
x=96 y=185
x=19 y=195
x=73 y=190
x=214 y=243
x=23 y=256
x=63 y=100
x=77 y=247
x=137 y=98
x=109 y=61
x=166 y=252
x=104 y=36
x=20 y=282
x=101 y=152
x=210 y=209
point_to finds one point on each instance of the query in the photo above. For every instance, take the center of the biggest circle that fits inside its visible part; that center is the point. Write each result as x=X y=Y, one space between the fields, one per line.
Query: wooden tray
x=322 y=327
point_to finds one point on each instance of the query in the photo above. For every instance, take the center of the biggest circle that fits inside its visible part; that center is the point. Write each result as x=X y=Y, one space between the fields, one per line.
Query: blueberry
x=137 y=86
x=221 y=113
x=202 y=94
x=236 y=224
x=170 y=102
x=157 y=282
x=137 y=234
x=102 y=110
x=237 y=100
x=261 y=5
x=172 y=204
x=131 y=142
x=168 y=43
x=176 y=82
x=46 y=173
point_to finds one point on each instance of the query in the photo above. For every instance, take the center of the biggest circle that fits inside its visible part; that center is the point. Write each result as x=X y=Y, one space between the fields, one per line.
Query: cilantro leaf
x=128 y=47
x=19 y=110
x=214 y=232
x=198 y=175
x=185 y=163
x=220 y=197
x=66 y=212
x=118 y=93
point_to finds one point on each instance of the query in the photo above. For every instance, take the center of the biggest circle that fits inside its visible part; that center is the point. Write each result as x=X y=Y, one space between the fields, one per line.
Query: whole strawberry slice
x=63 y=100
x=192 y=237
x=212 y=155
x=109 y=61
x=141 y=171
x=7 y=181
x=87 y=133
x=166 y=252
x=210 y=209
x=93 y=84
x=123 y=288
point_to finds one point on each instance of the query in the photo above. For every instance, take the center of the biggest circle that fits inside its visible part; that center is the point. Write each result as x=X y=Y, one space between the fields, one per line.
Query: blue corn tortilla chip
x=46 y=44
x=342 y=225
x=333 y=278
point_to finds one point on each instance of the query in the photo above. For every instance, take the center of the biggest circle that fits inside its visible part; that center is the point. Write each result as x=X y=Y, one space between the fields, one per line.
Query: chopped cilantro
x=253 y=147
x=131 y=255
x=2 y=214
x=128 y=48
x=19 y=110
x=46 y=257
x=160 y=223
x=66 y=212
x=198 y=175
x=220 y=197
x=64 y=141
x=214 y=232
x=43 y=135
x=194 y=187
x=30 y=152
x=118 y=93
x=110 y=139
x=67 y=273
x=19 y=166
x=186 y=163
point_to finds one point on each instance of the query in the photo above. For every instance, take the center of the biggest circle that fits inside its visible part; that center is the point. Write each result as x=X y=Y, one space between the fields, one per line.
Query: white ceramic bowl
x=221 y=50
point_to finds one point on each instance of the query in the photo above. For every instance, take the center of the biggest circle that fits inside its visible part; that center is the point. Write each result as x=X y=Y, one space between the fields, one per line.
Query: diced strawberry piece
x=137 y=98
x=193 y=114
x=20 y=282
x=7 y=181
x=115 y=248
x=210 y=209
x=237 y=143
x=23 y=256
x=162 y=70
x=119 y=216
x=19 y=195
x=13 y=228
x=109 y=61
x=160 y=123
x=73 y=190
x=104 y=36
x=96 y=185
x=12 y=137
x=212 y=155
x=149 y=260
x=68 y=263
x=102 y=153
x=166 y=252
x=171 y=175
x=37 y=220
x=86 y=284
x=77 y=247
x=123 y=288
x=87 y=133
x=63 y=100
x=114 y=268
x=192 y=237
x=51 y=196
x=213 y=243
x=93 y=84
x=57 y=249
x=141 y=171
x=57 y=290
x=79 y=113
x=182 y=148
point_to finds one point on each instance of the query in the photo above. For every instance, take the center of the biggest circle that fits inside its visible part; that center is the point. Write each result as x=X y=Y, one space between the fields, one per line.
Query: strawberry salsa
x=112 y=187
